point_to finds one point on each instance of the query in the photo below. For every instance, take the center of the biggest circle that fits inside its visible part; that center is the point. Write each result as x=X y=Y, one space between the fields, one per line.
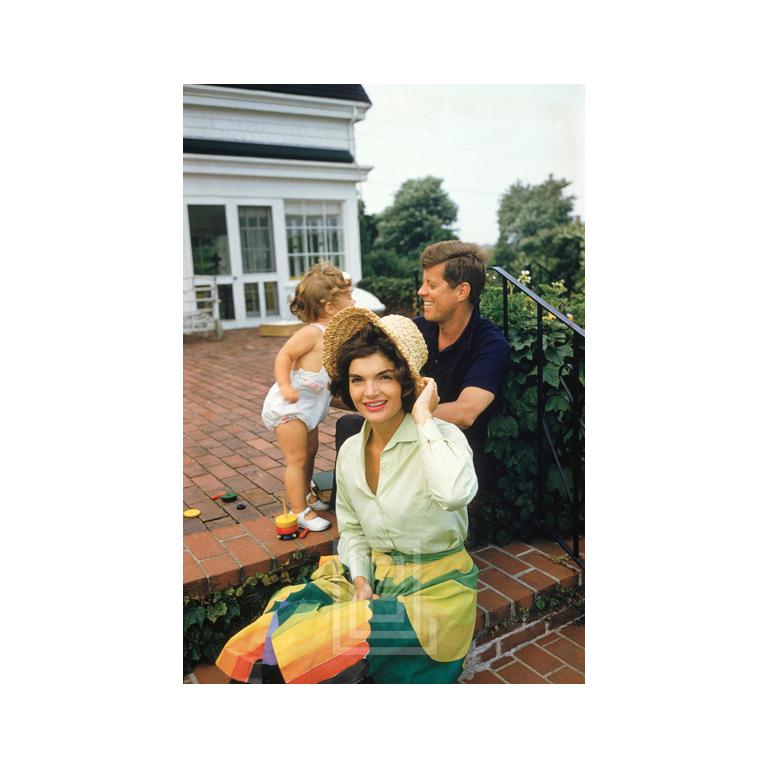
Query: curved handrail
x=541 y=302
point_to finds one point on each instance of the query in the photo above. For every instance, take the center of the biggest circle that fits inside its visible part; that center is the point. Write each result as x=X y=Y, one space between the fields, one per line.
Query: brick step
x=510 y=578
x=499 y=645
x=547 y=650
x=556 y=655
x=227 y=555
x=509 y=581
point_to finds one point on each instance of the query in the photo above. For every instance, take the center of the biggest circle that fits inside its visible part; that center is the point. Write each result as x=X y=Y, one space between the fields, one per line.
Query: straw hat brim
x=404 y=335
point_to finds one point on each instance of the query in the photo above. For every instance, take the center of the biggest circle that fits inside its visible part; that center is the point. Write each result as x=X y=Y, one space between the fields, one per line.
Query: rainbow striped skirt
x=418 y=630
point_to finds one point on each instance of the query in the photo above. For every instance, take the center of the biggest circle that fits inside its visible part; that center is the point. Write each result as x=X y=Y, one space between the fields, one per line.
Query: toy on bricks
x=191 y=512
x=287 y=525
x=231 y=496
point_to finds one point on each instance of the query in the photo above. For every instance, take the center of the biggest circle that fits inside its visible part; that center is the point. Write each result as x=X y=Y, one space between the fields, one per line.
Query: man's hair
x=464 y=263
x=364 y=343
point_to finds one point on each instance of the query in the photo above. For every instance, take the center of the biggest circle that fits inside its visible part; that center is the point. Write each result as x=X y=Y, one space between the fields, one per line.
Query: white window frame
x=238 y=277
x=305 y=254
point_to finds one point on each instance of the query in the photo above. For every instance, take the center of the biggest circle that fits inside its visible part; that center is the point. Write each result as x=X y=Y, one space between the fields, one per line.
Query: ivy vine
x=211 y=620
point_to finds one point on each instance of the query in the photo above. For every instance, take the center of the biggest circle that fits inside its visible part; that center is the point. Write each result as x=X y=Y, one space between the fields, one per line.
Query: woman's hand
x=426 y=403
x=363 y=589
x=290 y=395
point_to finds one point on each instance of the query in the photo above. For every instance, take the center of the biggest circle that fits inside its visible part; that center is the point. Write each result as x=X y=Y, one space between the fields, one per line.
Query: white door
x=258 y=275
x=235 y=241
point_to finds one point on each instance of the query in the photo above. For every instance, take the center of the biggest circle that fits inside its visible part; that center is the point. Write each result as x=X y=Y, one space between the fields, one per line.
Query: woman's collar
x=405 y=433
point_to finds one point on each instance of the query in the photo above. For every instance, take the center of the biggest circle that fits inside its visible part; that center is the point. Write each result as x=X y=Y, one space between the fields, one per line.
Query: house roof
x=280 y=151
x=344 y=92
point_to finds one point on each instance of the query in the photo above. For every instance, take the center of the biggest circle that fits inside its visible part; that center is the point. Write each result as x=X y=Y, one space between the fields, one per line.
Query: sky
x=479 y=139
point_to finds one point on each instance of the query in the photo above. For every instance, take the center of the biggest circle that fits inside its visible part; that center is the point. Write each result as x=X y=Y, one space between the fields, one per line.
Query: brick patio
x=226 y=447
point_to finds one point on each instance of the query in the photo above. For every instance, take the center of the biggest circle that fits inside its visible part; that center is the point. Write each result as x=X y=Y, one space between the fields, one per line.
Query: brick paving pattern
x=227 y=448
x=556 y=657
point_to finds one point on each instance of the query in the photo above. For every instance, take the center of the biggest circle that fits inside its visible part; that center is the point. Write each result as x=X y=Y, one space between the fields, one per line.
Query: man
x=467 y=355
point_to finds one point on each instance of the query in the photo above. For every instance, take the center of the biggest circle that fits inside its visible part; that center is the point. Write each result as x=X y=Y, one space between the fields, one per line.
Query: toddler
x=300 y=397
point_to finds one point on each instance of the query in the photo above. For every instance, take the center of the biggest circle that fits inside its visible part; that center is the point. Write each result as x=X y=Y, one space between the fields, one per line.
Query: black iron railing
x=571 y=455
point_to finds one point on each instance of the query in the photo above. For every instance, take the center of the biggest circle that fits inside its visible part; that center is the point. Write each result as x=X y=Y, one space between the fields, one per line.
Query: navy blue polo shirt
x=478 y=358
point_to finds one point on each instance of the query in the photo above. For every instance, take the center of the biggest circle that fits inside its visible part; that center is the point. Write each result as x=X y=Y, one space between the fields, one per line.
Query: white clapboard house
x=269 y=187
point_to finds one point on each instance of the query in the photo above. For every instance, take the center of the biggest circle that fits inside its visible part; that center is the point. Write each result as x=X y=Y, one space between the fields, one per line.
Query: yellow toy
x=287 y=525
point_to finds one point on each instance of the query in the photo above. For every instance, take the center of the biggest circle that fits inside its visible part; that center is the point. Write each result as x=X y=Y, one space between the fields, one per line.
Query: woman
x=399 y=602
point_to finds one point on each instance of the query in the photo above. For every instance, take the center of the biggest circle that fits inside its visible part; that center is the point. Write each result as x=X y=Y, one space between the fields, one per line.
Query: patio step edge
x=510 y=578
x=485 y=655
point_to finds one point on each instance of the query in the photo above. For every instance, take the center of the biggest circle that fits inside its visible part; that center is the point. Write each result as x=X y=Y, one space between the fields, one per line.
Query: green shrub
x=378 y=263
x=507 y=508
x=210 y=621
x=397 y=294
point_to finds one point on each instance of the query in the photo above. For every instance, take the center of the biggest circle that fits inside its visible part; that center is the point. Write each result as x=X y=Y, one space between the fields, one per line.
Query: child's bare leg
x=292 y=439
x=312 y=446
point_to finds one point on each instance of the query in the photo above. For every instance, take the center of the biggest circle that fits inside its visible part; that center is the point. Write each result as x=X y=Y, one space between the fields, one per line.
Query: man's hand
x=363 y=589
x=426 y=403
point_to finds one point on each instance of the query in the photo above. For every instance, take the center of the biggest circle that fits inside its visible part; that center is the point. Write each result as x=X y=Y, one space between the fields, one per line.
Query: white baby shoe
x=318 y=506
x=315 y=524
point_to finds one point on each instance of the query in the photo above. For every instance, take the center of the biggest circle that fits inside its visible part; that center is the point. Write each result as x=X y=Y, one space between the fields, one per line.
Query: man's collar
x=431 y=330
x=465 y=340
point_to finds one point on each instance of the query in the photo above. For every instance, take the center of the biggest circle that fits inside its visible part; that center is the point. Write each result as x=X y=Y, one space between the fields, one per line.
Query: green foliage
x=507 y=509
x=546 y=603
x=210 y=621
x=537 y=232
x=378 y=261
x=381 y=263
x=421 y=213
x=398 y=294
x=526 y=209
x=368 y=229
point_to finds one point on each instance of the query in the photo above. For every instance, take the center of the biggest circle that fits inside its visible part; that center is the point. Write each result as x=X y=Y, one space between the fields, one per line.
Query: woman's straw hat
x=401 y=330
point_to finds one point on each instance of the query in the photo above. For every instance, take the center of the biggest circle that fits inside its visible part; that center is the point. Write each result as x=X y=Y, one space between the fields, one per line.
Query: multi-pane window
x=256 y=242
x=253 y=301
x=314 y=230
x=270 y=298
x=210 y=245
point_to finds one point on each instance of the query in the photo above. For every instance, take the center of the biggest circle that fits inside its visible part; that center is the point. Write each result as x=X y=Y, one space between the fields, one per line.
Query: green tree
x=421 y=213
x=368 y=229
x=537 y=231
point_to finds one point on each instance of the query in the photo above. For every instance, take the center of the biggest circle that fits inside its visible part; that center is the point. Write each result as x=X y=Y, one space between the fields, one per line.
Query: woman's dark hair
x=369 y=341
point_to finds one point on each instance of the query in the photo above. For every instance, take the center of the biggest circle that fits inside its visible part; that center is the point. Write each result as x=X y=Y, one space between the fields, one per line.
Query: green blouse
x=426 y=480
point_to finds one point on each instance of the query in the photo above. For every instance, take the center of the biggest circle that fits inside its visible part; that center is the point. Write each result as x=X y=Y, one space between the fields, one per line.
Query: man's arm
x=470 y=404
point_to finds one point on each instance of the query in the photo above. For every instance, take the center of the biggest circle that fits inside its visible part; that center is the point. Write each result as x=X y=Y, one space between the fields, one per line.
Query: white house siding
x=231 y=181
x=259 y=117
x=266 y=128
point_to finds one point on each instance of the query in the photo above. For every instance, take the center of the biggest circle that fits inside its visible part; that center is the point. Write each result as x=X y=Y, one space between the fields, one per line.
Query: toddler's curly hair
x=319 y=286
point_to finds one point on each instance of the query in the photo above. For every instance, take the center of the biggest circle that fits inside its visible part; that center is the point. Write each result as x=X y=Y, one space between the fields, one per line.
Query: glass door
x=257 y=249
x=210 y=252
